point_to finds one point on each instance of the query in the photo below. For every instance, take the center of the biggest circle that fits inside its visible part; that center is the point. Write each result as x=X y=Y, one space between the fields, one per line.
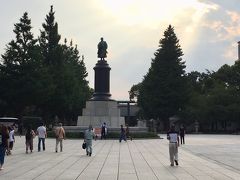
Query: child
x=11 y=140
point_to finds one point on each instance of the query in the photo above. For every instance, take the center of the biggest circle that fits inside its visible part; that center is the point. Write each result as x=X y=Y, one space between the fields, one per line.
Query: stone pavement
x=220 y=149
x=203 y=157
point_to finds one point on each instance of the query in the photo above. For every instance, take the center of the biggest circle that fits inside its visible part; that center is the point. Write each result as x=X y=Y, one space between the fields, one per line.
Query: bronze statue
x=102 y=49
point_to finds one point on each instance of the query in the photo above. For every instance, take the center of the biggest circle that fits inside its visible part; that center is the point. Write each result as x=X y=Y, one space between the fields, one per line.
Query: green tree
x=19 y=69
x=72 y=87
x=229 y=77
x=214 y=98
x=134 y=91
x=49 y=40
x=163 y=92
x=67 y=73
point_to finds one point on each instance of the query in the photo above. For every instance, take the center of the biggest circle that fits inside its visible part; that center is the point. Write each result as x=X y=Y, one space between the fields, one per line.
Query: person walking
x=11 y=140
x=60 y=135
x=122 y=134
x=4 y=136
x=42 y=134
x=128 y=132
x=88 y=137
x=30 y=134
x=173 y=138
x=103 y=131
x=182 y=134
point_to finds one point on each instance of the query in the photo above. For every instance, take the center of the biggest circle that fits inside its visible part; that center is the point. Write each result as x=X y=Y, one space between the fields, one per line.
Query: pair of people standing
x=42 y=134
x=125 y=133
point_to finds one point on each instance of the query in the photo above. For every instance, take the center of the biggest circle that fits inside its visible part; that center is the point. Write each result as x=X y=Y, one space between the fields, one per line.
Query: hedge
x=111 y=135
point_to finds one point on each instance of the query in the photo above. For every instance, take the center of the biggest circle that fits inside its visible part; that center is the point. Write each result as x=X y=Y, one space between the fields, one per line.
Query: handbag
x=84 y=145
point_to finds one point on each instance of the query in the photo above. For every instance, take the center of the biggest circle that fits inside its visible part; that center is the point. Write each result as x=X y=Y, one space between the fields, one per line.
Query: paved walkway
x=220 y=149
x=134 y=160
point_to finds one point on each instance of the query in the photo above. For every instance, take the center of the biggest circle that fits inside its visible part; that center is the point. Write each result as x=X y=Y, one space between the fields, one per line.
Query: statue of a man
x=102 y=49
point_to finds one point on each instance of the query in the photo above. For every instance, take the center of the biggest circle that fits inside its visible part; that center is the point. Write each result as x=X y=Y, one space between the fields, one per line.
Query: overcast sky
x=208 y=31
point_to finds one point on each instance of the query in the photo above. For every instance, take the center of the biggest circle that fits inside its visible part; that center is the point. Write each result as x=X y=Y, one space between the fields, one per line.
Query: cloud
x=227 y=29
x=217 y=36
x=207 y=31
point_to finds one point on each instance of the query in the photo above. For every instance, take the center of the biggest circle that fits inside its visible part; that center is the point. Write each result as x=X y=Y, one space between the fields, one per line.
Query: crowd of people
x=7 y=139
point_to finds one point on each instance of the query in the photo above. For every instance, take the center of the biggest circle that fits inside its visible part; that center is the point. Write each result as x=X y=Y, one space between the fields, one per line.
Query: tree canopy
x=163 y=91
x=42 y=77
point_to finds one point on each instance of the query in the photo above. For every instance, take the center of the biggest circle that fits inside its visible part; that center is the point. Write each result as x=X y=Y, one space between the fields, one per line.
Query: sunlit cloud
x=152 y=13
x=225 y=29
x=137 y=16
x=235 y=17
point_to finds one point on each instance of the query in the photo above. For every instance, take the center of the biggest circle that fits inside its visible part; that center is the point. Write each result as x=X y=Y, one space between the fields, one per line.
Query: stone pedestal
x=102 y=82
x=101 y=108
x=97 y=112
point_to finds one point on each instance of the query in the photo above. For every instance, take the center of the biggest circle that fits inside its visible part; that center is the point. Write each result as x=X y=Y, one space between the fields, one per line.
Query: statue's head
x=101 y=38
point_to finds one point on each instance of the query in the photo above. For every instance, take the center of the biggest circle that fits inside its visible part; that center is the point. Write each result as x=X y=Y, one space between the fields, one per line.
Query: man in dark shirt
x=103 y=131
x=182 y=134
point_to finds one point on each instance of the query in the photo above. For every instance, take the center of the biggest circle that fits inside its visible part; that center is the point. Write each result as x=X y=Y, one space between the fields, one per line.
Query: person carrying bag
x=60 y=135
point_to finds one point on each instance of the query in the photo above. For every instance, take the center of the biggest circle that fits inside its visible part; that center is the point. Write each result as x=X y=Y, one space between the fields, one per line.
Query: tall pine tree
x=163 y=91
x=19 y=67
x=49 y=39
x=68 y=73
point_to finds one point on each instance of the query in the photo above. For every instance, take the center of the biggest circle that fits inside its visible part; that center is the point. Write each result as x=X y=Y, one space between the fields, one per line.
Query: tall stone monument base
x=98 y=112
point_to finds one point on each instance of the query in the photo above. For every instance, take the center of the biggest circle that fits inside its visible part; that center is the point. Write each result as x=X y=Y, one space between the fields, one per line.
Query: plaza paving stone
x=203 y=157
